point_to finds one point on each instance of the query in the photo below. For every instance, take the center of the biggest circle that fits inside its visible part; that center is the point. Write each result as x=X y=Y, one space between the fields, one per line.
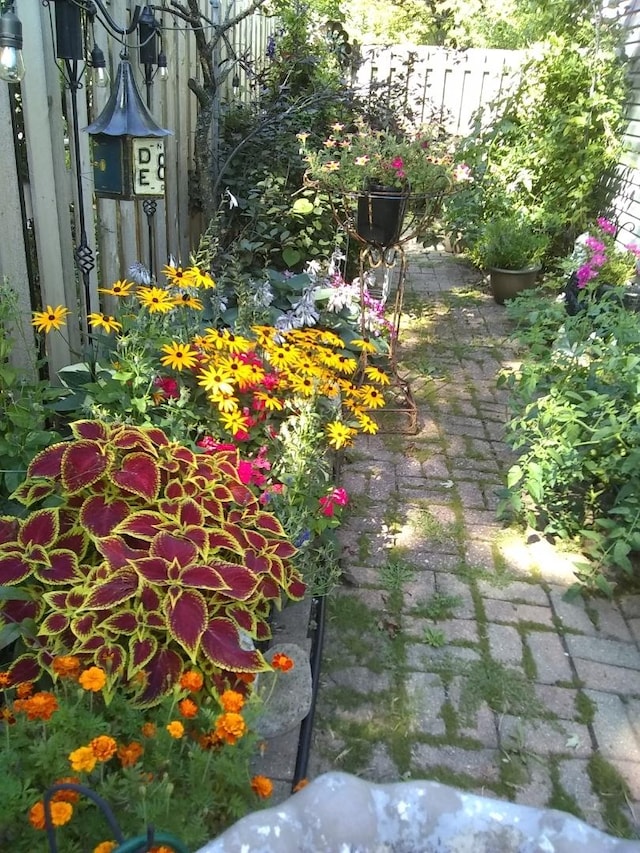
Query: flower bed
x=193 y=494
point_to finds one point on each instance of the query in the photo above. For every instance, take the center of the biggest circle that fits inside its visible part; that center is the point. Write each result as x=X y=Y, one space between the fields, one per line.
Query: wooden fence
x=435 y=81
x=39 y=214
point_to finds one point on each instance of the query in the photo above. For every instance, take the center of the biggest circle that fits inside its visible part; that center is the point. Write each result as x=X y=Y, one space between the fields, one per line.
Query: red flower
x=168 y=386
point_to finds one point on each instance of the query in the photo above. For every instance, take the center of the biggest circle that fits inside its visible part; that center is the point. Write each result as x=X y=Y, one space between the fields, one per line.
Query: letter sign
x=148 y=166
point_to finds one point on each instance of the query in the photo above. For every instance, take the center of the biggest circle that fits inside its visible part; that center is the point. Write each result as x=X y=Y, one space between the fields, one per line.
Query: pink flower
x=634 y=249
x=327 y=506
x=606 y=225
x=595 y=245
x=397 y=163
x=328 y=503
x=585 y=274
x=245 y=471
x=168 y=386
x=598 y=260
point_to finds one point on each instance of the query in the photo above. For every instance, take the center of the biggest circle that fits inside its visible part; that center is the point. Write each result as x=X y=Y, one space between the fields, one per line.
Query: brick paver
x=481 y=673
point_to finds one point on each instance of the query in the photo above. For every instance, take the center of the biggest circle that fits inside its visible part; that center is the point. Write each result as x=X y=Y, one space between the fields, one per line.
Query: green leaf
x=291 y=256
x=302 y=206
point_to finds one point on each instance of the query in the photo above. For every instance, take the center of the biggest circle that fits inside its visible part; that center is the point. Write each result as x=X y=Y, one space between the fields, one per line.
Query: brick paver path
x=450 y=652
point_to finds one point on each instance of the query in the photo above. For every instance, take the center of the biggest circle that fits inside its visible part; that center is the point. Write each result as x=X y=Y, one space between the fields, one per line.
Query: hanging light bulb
x=11 y=61
x=99 y=74
x=163 y=71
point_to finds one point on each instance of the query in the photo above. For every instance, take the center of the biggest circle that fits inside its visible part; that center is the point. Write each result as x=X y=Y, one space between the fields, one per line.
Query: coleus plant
x=146 y=556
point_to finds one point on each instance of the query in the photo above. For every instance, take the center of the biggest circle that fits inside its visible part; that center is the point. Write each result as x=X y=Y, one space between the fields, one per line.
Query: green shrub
x=576 y=425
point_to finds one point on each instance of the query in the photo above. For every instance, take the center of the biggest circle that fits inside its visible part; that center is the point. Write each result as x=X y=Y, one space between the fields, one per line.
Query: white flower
x=232 y=201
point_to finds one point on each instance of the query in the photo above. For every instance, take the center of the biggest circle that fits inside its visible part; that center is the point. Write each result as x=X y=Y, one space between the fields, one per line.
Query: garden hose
x=139 y=844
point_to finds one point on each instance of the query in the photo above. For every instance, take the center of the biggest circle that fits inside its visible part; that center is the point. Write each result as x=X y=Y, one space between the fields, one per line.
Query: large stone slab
x=338 y=812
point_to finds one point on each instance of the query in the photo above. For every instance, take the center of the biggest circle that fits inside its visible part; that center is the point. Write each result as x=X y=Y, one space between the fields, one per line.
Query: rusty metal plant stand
x=421 y=210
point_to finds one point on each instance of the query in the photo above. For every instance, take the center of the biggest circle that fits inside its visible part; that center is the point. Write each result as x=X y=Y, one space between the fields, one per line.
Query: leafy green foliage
x=551 y=147
x=25 y=416
x=576 y=420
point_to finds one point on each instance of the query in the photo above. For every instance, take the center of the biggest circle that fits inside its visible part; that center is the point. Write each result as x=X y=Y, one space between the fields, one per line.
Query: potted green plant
x=511 y=249
x=383 y=172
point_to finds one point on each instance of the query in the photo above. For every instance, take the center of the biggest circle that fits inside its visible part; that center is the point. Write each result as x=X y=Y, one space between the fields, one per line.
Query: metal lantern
x=128 y=145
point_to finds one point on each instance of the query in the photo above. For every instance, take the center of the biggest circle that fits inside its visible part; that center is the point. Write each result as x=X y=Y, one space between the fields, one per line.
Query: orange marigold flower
x=5 y=679
x=262 y=786
x=93 y=679
x=175 y=729
x=36 y=815
x=40 y=706
x=149 y=730
x=208 y=740
x=191 y=681
x=105 y=847
x=231 y=700
x=130 y=753
x=188 y=708
x=246 y=677
x=161 y=848
x=300 y=785
x=66 y=795
x=66 y=666
x=60 y=812
x=23 y=691
x=7 y=716
x=282 y=662
x=82 y=758
x=104 y=747
x=230 y=727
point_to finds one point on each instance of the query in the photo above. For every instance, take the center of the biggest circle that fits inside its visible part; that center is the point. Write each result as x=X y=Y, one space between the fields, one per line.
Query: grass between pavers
x=373 y=637
x=614 y=794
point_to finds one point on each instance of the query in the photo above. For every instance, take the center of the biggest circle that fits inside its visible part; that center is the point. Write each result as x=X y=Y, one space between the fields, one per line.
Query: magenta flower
x=606 y=225
x=634 y=249
x=585 y=274
x=598 y=260
x=595 y=245
x=328 y=503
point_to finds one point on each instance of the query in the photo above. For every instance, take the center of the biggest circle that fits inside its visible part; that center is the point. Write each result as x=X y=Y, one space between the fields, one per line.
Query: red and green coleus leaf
x=241 y=582
x=243 y=617
x=186 y=613
x=117 y=552
x=47 y=463
x=173 y=547
x=83 y=464
x=268 y=522
x=9 y=526
x=185 y=456
x=92 y=430
x=100 y=515
x=296 y=588
x=17 y=611
x=139 y=475
x=65 y=600
x=141 y=650
x=40 y=528
x=62 y=568
x=222 y=645
x=227 y=540
x=24 y=670
x=127 y=437
x=143 y=525
x=53 y=624
x=120 y=587
x=162 y=671
x=112 y=658
x=84 y=626
x=204 y=577
x=14 y=568
x=154 y=570
x=122 y=622
x=31 y=492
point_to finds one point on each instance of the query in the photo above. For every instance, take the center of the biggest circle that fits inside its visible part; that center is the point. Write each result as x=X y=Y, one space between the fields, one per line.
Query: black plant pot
x=380 y=216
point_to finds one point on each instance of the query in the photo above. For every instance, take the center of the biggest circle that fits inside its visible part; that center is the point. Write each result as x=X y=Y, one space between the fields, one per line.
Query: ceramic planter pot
x=505 y=284
x=380 y=216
